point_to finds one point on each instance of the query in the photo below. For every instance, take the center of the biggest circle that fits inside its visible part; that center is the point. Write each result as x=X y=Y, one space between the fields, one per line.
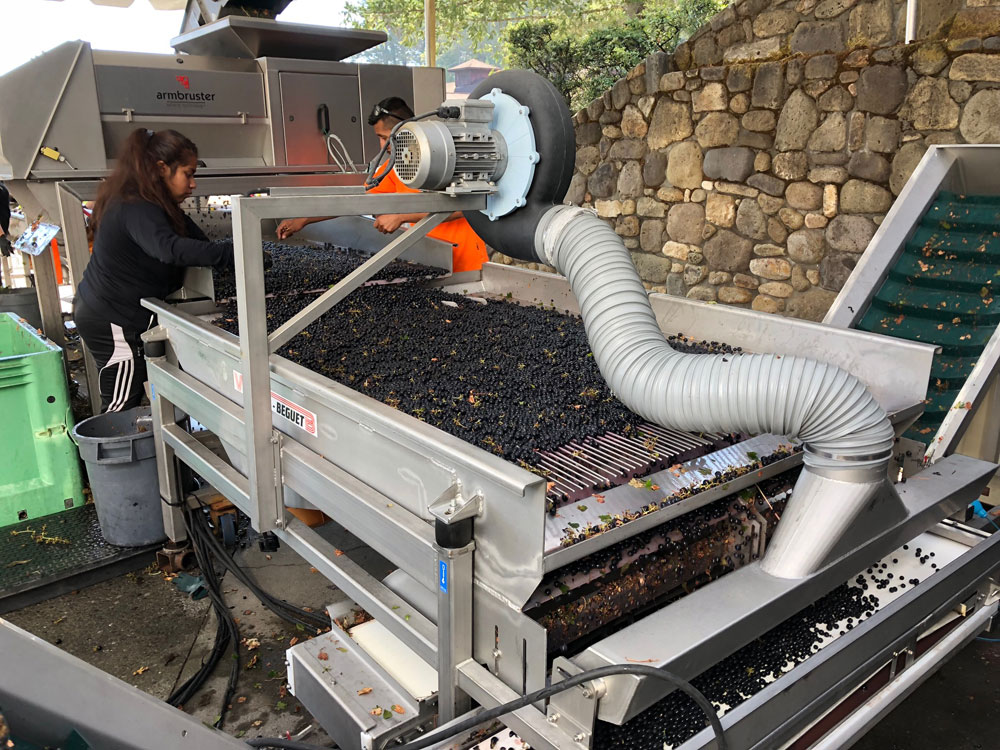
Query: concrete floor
x=142 y=629
x=957 y=708
x=142 y=621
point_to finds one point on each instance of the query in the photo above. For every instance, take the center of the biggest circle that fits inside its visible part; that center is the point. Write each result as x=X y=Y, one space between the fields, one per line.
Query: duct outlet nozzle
x=821 y=509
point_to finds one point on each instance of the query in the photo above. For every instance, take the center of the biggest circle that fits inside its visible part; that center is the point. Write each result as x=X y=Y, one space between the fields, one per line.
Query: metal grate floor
x=48 y=556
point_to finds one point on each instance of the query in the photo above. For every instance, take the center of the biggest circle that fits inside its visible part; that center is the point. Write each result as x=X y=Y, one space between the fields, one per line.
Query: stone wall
x=757 y=30
x=759 y=183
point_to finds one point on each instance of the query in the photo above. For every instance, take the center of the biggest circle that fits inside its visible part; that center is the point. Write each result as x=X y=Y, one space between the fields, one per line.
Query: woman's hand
x=290 y=226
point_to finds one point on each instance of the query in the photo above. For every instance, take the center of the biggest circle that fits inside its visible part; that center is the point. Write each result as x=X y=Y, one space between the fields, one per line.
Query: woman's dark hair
x=137 y=176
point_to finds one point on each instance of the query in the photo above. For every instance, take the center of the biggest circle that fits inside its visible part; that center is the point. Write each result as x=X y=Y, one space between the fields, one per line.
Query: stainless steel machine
x=269 y=104
x=489 y=550
x=478 y=548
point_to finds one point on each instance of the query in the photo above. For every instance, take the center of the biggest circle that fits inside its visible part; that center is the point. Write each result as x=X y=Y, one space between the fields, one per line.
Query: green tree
x=480 y=21
x=583 y=66
x=541 y=47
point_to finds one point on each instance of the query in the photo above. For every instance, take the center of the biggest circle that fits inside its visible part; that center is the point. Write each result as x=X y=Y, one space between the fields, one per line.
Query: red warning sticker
x=284 y=408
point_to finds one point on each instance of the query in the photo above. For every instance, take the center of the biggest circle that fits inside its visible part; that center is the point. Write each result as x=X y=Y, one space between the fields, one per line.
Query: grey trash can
x=23 y=303
x=120 y=455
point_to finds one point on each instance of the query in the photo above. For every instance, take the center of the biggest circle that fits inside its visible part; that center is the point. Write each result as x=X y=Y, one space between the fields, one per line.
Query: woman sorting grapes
x=142 y=243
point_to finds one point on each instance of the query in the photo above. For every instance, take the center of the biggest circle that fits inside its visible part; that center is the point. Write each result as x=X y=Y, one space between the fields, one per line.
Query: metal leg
x=78 y=256
x=454 y=627
x=167 y=470
x=267 y=508
x=48 y=297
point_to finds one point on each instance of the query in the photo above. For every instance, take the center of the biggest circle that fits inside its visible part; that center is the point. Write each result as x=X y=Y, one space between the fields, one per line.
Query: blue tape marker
x=443 y=571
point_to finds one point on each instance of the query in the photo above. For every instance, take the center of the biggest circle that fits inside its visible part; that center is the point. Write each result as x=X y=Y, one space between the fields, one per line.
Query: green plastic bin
x=39 y=464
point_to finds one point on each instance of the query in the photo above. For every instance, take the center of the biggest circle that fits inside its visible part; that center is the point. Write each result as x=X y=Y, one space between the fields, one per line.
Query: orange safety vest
x=468 y=251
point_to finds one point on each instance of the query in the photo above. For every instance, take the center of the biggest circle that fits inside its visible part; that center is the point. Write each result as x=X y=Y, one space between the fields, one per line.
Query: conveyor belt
x=941 y=291
x=581 y=601
x=733 y=680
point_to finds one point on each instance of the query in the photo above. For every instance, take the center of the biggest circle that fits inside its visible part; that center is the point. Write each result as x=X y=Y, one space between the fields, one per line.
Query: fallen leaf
x=258 y=723
x=338 y=552
x=140 y=670
x=322 y=655
x=641 y=661
x=364 y=691
x=398 y=709
x=599 y=498
x=293 y=641
x=241 y=699
x=377 y=711
x=313 y=570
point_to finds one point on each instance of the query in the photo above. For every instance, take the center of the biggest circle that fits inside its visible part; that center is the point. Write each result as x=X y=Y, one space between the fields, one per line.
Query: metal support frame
x=454 y=627
x=264 y=463
x=48 y=297
x=78 y=254
x=974 y=391
x=167 y=472
x=267 y=510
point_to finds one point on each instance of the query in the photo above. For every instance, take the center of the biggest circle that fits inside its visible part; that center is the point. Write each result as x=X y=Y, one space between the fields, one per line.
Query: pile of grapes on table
x=509 y=378
x=305 y=268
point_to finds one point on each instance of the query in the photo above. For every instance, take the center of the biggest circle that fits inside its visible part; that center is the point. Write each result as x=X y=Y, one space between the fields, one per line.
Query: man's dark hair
x=391 y=106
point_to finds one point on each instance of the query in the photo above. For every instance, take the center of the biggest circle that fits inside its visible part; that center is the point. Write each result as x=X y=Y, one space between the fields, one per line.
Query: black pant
x=118 y=353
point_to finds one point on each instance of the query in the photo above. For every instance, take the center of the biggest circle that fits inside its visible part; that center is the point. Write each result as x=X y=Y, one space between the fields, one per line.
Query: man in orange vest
x=468 y=251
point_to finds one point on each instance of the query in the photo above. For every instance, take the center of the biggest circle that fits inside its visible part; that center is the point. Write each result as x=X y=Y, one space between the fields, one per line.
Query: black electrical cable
x=547 y=692
x=446 y=113
x=558 y=687
x=227 y=633
x=213 y=584
x=314 y=621
x=184 y=692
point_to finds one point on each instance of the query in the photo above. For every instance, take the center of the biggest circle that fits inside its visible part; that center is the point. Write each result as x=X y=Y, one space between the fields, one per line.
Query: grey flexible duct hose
x=848 y=438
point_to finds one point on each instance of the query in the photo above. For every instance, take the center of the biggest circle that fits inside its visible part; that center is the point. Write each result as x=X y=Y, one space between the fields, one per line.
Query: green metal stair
x=941 y=291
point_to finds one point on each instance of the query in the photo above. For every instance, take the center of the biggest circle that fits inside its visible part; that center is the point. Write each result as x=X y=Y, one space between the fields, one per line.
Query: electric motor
x=462 y=155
